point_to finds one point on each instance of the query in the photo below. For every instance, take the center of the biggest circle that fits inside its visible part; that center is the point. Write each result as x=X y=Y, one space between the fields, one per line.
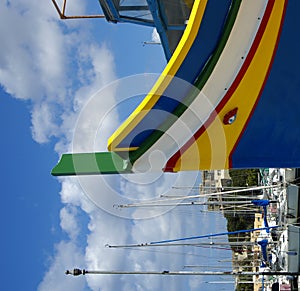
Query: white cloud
x=155 y=36
x=43 y=120
x=33 y=46
x=67 y=254
x=68 y=221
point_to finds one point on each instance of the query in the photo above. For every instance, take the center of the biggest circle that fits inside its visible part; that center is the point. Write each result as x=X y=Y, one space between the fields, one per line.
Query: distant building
x=215 y=181
x=258 y=223
x=222 y=179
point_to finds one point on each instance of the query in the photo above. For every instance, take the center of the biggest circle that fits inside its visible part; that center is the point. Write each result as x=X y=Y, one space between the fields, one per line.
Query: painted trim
x=199 y=84
x=262 y=51
x=163 y=81
x=261 y=91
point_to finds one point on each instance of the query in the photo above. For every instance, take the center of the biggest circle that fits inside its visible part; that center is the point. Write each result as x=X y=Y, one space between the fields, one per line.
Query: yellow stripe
x=212 y=149
x=165 y=78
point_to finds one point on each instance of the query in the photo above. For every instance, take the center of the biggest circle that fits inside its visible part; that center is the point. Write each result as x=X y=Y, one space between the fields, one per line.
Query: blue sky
x=49 y=70
x=31 y=204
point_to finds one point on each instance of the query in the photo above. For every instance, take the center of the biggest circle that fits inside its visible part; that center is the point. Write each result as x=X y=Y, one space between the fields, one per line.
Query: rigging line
x=214 y=247
x=165 y=252
x=249 y=213
x=208 y=246
x=206 y=266
x=239 y=208
x=191 y=203
x=229 y=212
x=214 y=194
x=234 y=196
x=211 y=243
x=239 y=191
x=191 y=238
x=230 y=194
x=244 y=205
x=206 y=187
x=212 y=235
x=171 y=196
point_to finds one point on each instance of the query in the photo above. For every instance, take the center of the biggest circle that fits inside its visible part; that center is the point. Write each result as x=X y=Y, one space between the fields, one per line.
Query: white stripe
x=228 y=66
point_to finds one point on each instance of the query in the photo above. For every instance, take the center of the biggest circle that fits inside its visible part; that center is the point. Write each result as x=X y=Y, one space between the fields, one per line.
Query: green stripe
x=199 y=83
x=91 y=164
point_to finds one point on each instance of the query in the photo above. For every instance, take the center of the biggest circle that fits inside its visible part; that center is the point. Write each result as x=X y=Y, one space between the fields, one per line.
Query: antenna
x=151 y=42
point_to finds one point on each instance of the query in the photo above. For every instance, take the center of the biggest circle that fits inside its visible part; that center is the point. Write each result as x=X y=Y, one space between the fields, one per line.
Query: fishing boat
x=210 y=107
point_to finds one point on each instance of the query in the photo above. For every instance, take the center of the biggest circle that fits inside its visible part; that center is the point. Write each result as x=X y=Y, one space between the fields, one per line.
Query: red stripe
x=264 y=83
x=173 y=160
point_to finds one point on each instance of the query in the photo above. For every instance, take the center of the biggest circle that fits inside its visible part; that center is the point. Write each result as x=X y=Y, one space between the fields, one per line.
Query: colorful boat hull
x=212 y=107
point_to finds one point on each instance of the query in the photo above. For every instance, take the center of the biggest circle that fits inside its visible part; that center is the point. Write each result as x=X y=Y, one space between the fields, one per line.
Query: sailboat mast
x=77 y=272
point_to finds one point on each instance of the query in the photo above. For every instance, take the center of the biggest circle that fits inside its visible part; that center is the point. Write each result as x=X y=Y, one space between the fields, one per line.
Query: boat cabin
x=168 y=17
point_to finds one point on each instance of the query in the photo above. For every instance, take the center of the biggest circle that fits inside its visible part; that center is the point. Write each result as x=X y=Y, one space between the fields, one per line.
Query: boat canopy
x=261 y=202
x=168 y=17
x=264 y=243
